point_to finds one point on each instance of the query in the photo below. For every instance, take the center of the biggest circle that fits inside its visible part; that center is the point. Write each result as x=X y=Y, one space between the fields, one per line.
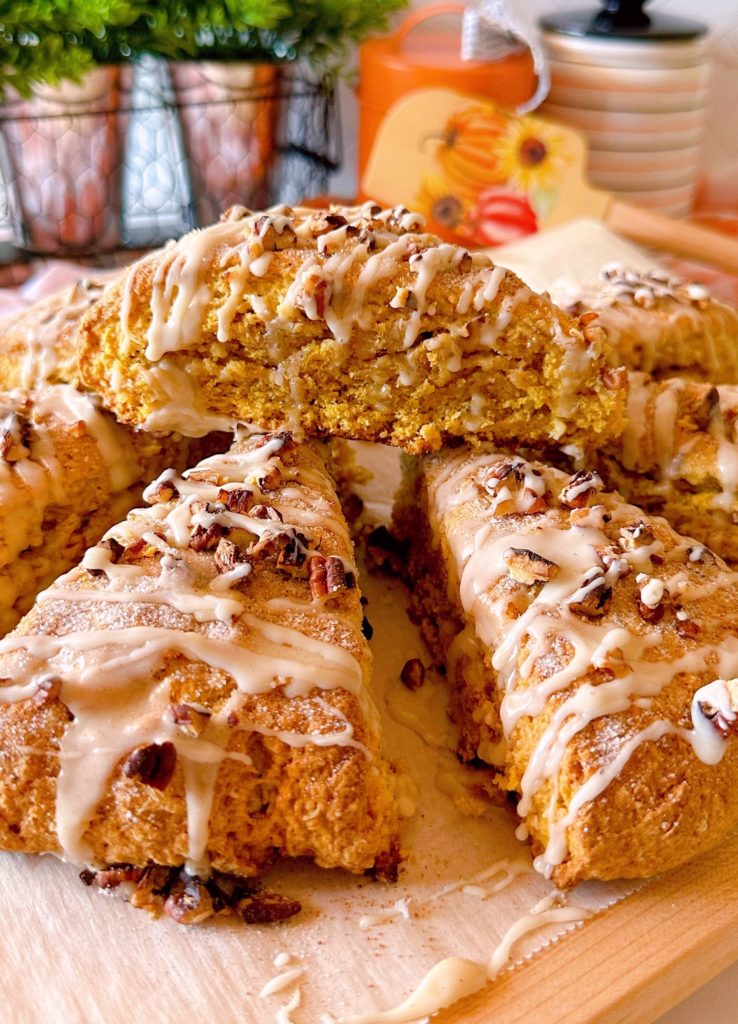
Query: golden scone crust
x=68 y=472
x=661 y=326
x=349 y=323
x=591 y=652
x=38 y=345
x=678 y=457
x=196 y=691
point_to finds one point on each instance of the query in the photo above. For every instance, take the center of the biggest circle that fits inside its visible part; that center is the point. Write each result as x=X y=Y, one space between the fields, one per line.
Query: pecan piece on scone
x=528 y=566
x=15 y=433
x=189 y=720
x=229 y=555
x=205 y=538
x=267 y=907
x=236 y=500
x=592 y=598
x=153 y=765
x=579 y=489
x=412 y=675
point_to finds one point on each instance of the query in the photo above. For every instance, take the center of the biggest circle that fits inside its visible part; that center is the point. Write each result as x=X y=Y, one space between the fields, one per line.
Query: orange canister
x=409 y=59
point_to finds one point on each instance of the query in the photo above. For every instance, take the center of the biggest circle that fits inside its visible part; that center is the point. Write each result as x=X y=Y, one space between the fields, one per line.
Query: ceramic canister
x=635 y=85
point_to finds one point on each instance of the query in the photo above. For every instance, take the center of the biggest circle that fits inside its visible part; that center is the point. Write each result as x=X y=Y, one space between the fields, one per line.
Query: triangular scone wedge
x=678 y=457
x=196 y=691
x=591 y=655
x=349 y=323
x=660 y=325
x=68 y=471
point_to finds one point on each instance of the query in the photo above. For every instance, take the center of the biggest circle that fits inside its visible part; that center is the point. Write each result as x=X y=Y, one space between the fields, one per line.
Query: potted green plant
x=244 y=61
x=64 y=65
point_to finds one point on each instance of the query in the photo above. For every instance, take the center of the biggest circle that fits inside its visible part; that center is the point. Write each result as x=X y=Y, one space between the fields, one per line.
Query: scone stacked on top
x=351 y=323
x=589 y=647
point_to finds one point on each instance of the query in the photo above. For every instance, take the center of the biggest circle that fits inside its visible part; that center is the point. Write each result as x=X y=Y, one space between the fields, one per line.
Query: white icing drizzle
x=281 y=982
x=400 y=908
x=41 y=357
x=38 y=479
x=455 y=977
x=478 y=543
x=110 y=660
x=656 y=322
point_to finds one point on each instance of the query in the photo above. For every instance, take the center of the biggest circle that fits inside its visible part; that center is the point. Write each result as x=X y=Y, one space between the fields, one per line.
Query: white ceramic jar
x=636 y=87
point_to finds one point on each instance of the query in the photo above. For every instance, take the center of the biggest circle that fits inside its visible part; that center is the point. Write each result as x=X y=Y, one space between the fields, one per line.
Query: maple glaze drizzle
x=549 y=628
x=168 y=602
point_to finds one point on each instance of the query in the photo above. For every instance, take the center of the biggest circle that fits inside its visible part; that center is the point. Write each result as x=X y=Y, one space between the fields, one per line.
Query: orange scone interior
x=350 y=322
x=591 y=655
x=196 y=691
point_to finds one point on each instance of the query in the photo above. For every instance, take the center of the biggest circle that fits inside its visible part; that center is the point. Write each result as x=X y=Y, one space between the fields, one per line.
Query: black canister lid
x=624 y=19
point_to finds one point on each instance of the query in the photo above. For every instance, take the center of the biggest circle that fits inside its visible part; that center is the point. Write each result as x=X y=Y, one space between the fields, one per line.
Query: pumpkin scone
x=38 y=344
x=68 y=471
x=659 y=325
x=351 y=323
x=678 y=457
x=194 y=696
x=591 y=654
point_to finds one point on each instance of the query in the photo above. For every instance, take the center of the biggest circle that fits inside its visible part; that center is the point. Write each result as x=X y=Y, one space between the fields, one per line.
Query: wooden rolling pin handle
x=676 y=236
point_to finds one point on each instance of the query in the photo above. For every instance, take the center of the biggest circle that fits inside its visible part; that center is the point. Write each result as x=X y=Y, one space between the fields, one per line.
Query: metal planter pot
x=63 y=156
x=228 y=112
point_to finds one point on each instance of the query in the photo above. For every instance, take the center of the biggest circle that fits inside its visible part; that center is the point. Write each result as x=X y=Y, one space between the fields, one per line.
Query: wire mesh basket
x=134 y=156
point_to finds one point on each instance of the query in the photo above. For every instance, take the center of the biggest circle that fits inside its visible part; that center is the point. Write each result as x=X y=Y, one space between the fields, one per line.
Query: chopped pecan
x=289 y=545
x=528 y=566
x=48 y=690
x=188 y=720
x=593 y=596
x=162 y=492
x=366 y=628
x=579 y=489
x=112 y=877
x=237 y=500
x=228 y=555
x=413 y=674
x=115 y=548
x=688 y=629
x=153 y=765
x=271 y=238
x=266 y=512
x=637 y=536
x=321 y=222
x=288 y=442
x=612 y=560
x=153 y=889
x=385 y=553
x=189 y=902
x=15 y=438
x=651 y=604
x=267 y=907
x=270 y=480
x=699 y=554
x=205 y=538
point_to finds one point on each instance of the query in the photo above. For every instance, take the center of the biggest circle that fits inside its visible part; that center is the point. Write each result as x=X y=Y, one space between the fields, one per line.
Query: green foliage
x=52 y=40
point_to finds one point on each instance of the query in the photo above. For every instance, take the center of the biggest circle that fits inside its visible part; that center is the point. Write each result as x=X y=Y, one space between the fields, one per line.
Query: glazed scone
x=196 y=691
x=38 y=344
x=346 y=323
x=68 y=471
x=591 y=655
x=678 y=457
x=659 y=325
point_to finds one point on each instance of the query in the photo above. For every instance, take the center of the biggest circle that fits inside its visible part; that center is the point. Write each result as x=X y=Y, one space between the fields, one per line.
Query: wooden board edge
x=630 y=963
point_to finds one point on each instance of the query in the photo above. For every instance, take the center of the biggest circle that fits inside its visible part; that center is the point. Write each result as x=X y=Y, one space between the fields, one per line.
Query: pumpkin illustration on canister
x=467 y=149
